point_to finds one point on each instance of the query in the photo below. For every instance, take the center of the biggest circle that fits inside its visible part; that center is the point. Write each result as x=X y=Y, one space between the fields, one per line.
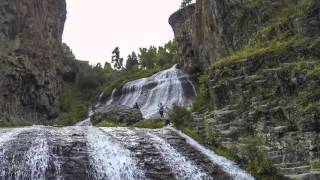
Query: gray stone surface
x=117 y=114
x=31 y=58
x=256 y=96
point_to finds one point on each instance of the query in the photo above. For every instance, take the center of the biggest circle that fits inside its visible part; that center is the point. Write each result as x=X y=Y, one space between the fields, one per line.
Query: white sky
x=95 y=27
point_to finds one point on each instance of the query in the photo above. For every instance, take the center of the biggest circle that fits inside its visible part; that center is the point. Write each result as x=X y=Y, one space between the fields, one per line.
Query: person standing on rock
x=161 y=110
x=136 y=106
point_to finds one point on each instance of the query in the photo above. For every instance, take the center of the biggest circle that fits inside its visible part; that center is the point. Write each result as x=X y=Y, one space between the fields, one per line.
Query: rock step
x=225 y=126
x=305 y=176
x=289 y=165
x=294 y=170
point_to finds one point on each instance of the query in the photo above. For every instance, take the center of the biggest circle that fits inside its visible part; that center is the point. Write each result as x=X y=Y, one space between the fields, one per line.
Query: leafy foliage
x=315 y=164
x=201 y=102
x=132 y=61
x=73 y=104
x=185 y=3
x=256 y=161
x=180 y=117
x=150 y=123
x=152 y=57
x=67 y=51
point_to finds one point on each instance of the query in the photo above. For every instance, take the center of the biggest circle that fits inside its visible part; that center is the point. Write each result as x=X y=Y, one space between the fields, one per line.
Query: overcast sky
x=94 y=28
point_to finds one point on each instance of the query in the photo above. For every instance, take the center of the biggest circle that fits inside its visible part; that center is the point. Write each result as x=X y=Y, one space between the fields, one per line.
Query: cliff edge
x=262 y=61
x=31 y=58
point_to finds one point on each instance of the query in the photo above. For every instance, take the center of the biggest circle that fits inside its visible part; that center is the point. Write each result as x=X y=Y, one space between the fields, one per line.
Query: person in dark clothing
x=161 y=110
x=136 y=106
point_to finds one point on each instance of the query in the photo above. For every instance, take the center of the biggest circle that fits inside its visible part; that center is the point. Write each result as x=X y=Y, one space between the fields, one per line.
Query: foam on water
x=109 y=159
x=228 y=166
x=182 y=168
x=164 y=87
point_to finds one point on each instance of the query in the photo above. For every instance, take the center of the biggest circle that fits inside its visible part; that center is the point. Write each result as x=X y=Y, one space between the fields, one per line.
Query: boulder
x=117 y=114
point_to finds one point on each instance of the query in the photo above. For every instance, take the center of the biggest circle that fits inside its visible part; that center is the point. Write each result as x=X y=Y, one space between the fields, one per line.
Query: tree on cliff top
x=185 y=3
x=116 y=59
x=132 y=61
x=68 y=52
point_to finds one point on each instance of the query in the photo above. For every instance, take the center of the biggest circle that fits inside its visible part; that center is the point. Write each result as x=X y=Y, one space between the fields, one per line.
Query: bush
x=255 y=159
x=73 y=104
x=107 y=123
x=180 y=117
x=315 y=164
x=151 y=124
x=201 y=102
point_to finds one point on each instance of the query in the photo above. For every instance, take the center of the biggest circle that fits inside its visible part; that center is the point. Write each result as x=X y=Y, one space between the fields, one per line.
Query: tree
x=68 y=52
x=116 y=59
x=185 y=3
x=107 y=67
x=148 y=57
x=132 y=61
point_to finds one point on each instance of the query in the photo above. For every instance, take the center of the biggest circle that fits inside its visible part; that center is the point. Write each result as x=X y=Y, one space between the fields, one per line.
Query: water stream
x=169 y=87
x=87 y=152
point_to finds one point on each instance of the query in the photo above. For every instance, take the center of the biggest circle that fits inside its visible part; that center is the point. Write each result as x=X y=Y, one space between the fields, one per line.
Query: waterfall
x=181 y=167
x=33 y=163
x=109 y=159
x=86 y=152
x=169 y=87
x=227 y=165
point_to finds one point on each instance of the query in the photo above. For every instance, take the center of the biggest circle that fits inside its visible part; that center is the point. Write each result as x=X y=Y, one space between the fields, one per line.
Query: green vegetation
x=185 y=3
x=107 y=123
x=180 y=117
x=255 y=159
x=151 y=124
x=268 y=47
x=163 y=56
x=201 y=101
x=116 y=59
x=273 y=37
x=315 y=164
x=302 y=70
x=132 y=61
x=73 y=105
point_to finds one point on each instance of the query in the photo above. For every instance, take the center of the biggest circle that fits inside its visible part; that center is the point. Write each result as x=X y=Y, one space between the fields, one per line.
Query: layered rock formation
x=263 y=62
x=117 y=114
x=30 y=58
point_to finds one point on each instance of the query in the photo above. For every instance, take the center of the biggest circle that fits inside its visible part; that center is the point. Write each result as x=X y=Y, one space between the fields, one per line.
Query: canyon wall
x=262 y=59
x=31 y=58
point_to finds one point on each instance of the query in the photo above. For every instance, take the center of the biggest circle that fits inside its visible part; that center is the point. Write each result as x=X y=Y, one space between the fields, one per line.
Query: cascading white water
x=109 y=159
x=38 y=156
x=228 y=166
x=169 y=87
x=33 y=164
x=109 y=153
x=181 y=167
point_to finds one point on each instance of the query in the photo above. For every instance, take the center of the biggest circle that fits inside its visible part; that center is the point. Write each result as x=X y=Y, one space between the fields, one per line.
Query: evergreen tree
x=107 y=67
x=185 y=3
x=116 y=59
x=132 y=61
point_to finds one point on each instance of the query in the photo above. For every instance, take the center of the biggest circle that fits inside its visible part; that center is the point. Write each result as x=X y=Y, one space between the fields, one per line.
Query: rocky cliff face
x=30 y=58
x=263 y=62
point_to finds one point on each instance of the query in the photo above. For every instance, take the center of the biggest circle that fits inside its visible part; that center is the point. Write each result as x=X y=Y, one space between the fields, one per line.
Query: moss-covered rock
x=117 y=114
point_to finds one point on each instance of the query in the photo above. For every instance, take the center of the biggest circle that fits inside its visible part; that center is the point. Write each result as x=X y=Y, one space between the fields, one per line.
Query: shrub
x=180 y=117
x=73 y=104
x=201 y=102
x=315 y=164
x=107 y=123
x=151 y=124
x=255 y=159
